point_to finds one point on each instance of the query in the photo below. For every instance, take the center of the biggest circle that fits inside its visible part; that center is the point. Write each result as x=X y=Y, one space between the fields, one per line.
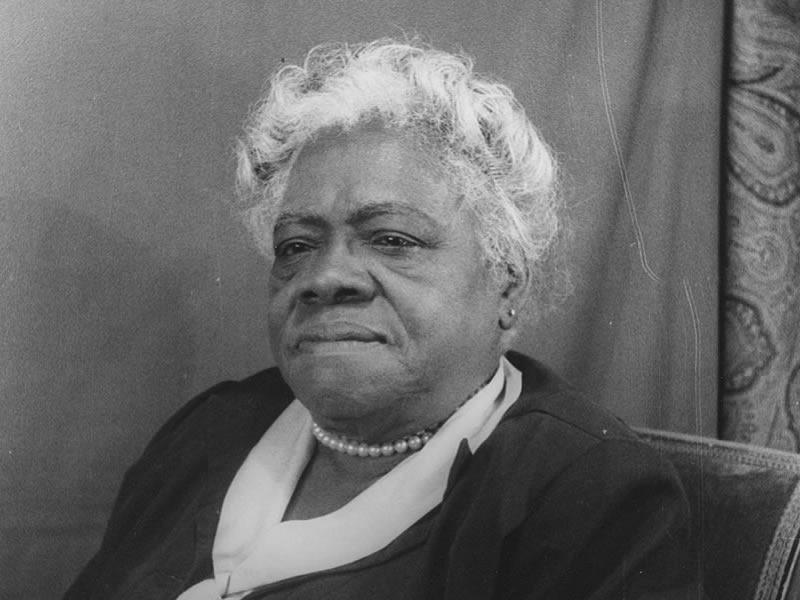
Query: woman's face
x=383 y=315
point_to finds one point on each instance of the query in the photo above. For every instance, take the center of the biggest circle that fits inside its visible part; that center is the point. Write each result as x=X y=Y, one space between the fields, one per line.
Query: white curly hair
x=473 y=126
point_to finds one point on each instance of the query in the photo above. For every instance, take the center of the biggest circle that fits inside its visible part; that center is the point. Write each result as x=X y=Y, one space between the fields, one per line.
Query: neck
x=332 y=479
x=365 y=472
x=382 y=418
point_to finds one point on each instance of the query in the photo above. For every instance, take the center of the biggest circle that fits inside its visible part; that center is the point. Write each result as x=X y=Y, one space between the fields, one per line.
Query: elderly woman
x=398 y=450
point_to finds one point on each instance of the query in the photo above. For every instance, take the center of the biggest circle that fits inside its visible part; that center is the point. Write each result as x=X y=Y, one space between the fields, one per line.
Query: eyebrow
x=359 y=216
x=300 y=217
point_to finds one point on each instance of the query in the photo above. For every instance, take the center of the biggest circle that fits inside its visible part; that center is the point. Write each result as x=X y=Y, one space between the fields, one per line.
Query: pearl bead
x=374 y=451
x=387 y=449
x=401 y=446
x=351 y=448
x=414 y=443
x=363 y=450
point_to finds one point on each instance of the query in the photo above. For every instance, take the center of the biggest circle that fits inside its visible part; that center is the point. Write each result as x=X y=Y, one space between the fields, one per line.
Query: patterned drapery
x=761 y=308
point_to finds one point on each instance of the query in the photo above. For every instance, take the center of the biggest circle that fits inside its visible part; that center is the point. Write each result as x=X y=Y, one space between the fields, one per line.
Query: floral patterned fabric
x=761 y=306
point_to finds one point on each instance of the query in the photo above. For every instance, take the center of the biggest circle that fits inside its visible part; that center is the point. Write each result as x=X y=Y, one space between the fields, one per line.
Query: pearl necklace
x=409 y=443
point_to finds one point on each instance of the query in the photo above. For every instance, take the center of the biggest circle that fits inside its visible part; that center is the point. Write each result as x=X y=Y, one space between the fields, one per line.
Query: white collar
x=254 y=547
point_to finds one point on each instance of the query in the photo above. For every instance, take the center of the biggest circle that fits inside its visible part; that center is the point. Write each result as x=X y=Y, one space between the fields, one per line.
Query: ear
x=514 y=290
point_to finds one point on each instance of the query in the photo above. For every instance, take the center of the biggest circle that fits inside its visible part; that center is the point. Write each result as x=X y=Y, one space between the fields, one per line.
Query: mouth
x=338 y=337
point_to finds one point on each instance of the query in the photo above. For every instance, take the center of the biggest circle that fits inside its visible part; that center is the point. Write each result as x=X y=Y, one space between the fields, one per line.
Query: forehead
x=340 y=173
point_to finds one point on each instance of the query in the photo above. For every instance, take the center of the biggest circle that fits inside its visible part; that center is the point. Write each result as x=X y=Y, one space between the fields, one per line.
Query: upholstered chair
x=746 y=504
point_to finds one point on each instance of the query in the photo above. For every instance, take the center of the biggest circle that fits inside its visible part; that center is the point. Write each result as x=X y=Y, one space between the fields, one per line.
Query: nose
x=335 y=275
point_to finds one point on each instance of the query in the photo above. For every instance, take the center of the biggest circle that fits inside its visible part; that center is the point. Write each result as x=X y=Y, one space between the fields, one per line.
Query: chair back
x=746 y=506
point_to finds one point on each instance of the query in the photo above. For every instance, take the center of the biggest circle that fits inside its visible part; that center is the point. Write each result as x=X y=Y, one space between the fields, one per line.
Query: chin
x=342 y=373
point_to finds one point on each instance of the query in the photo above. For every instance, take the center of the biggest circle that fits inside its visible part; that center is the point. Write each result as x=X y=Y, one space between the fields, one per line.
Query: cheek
x=473 y=305
x=277 y=316
x=275 y=336
x=435 y=317
x=274 y=284
x=458 y=295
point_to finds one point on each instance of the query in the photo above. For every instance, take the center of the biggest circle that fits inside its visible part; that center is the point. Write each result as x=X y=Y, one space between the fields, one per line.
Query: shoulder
x=203 y=441
x=181 y=478
x=552 y=413
x=256 y=400
x=565 y=460
x=545 y=394
x=258 y=391
x=214 y=427
x=553 y=438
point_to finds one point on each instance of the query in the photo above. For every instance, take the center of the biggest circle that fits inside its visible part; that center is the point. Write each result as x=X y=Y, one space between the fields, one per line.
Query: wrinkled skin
x=383 y=315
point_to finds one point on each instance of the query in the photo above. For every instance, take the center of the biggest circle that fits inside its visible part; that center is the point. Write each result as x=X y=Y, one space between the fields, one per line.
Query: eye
x=394 y=243
x=291 y=248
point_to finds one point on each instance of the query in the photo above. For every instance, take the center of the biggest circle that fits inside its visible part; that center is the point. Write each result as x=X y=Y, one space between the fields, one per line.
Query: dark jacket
x=562 y=501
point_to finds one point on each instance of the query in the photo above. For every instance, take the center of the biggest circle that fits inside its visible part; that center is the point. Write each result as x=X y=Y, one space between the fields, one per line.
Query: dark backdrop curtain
x=761 y=398
x=125 y=286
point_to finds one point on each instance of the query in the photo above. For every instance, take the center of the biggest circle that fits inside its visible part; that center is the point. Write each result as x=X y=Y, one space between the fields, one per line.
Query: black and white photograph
x=400 y=300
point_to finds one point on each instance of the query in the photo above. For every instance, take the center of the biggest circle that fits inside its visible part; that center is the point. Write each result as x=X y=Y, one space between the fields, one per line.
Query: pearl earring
x=505 y=322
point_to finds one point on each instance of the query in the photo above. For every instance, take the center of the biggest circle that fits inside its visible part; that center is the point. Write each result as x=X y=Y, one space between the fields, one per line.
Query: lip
x=338 y=334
